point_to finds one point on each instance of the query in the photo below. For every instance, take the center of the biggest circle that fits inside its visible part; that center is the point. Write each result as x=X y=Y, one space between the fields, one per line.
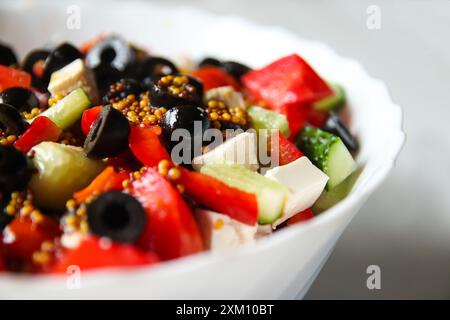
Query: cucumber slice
x=328 y=153
x=62 y=170
x=329 y=198
x=67 y=111
x=262 y=118
x=333 y=102
x=271 y=195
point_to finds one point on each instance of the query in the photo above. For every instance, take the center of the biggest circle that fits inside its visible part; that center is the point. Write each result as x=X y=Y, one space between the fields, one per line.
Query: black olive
x=15 y=170
x=58 y=58
x=116 y=215
x=12 y=121
x=108 y=135
x=335 y=126
x=162 y=91
x=105 y=75
x=121 y=89
x=28 y=63
x=210 y=62
x=152 y=68
x=236 y=69
x=7 y=55
x=113 y=51
x=5 y=218
x=20 y=98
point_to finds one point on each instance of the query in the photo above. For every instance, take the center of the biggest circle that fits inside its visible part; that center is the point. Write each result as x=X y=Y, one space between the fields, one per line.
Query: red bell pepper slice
x=146 y=146
x=92 y=254
x=107 y=180
x=42 y=129
x=10 y=77
x=214 y=77
x=287 y=151
x=88 y=118
x=301 y=217
x=214 y=194
x=171 y=230
x=23 y=236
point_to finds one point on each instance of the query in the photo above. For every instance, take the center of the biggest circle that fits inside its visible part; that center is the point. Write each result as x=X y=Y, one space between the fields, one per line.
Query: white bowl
x=280 y=266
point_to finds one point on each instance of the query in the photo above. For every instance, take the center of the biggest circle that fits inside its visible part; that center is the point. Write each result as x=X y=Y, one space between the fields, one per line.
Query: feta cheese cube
x=73 y=76
x=222 y=232
x=305 y=183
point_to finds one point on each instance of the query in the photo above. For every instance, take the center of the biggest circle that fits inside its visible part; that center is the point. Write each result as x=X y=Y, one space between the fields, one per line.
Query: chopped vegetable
x=42 y=129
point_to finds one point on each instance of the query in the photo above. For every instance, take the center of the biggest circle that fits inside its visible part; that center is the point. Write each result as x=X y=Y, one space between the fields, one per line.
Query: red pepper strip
x=92 y=254
x=146 y=146
x=42 y=129
x=287 y=151
x=301 y=217
x=171 y=230
x=215 y=195
x=10 y=77
x=214 y=77
x=107 y=180
x=88 y=118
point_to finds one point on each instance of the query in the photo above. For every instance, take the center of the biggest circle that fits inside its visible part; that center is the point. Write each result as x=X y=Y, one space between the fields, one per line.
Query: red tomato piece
x=301 y=217
x=88 y=118
x=42 y=129
x=93 y=254
x=287 y=151
x=107 y=180
x=171 y=230
x=146 y=146
x=10 y=77
x=214 y=77
x=214 y=194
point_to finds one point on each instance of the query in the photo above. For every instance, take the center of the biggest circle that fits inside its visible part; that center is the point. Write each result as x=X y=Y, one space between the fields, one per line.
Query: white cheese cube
x=222 y=232
x=305 y=183
x=73 y=76
x=241 y=149
x=226 y=94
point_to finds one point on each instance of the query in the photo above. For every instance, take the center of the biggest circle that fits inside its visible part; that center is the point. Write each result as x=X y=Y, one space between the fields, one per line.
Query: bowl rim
x=208 y=258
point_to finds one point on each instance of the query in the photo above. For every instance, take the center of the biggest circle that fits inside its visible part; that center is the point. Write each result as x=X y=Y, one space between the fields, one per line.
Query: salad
x=112 y=156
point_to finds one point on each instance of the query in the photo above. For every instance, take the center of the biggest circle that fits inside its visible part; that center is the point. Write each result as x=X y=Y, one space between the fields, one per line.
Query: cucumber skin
x=260 y=118
x=251 y=182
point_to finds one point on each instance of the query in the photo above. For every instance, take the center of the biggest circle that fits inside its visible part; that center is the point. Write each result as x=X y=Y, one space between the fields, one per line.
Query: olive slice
x=335 y=126
x=20 y=98
x=152 y=68
x=236 y=69
x=15 y=170
x=116 y=215
x=210 y=62
x=108 y=135
x=59 y=57
x=12 y=121
x=7 y=55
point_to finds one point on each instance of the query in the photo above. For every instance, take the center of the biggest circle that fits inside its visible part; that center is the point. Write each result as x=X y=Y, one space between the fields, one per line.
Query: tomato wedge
x=93 y=254
x=88 y=118
x=107 y=180
x=212 y=77
x=171 y=230
x=146 y=145
x=287 y=151
x=42 y=129
x=10 y=77
x=215 y=195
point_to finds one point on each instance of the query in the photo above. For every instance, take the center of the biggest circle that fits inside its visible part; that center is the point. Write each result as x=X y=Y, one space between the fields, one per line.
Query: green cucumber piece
x=330 y=198
x=68 y=110
x=333 y=102
x=271 y=195
x=262 y=118
x=61 y=171
x=328 y=153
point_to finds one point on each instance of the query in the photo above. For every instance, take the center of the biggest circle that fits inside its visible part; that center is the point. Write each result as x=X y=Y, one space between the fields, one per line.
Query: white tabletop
x=405 y=227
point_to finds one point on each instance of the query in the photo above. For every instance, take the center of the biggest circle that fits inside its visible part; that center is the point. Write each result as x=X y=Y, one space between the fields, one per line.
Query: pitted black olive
x=108 y=135
x=113 y=51
x=15 y=170
x=236 y=69
x=153 y=68
x=35 y=56
x=20 y=98
x=105 y=75
x=12 y=121
x=335 y=126
x=7 y=55
x=116 y=215
x=58 y=58
x=121 y=89
x=173 y=90
x=210 y=62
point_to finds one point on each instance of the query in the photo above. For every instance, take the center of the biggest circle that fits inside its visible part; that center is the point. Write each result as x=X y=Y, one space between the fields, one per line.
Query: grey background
x=405 y=226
